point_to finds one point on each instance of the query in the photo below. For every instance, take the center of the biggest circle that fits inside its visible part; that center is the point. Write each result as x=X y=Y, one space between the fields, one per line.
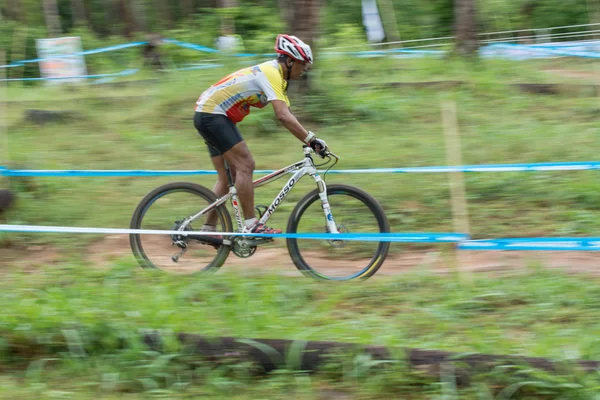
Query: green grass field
x=63 y=331
x=61 y=323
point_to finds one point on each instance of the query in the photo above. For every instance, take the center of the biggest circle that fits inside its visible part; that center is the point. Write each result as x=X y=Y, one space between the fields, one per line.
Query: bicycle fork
x=322 y=186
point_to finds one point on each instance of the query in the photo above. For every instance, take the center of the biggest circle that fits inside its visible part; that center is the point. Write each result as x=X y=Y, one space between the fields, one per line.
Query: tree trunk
x=188 y=8
x=228 y=3
x=78 y=8
x=305 y=25
x=139 y=15
x=466 y=28
x=88 y=9
x=110 y=18
x=164 y=14
x=129 y=27
x=227 y=20
x=389 y=21
x=51 y=17
x=13 y=10
x=286 y=10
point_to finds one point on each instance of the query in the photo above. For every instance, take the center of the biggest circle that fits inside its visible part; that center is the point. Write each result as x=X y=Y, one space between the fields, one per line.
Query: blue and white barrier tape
x=82 y=53
x=559 y=49
x=378 y=53
x=363 y=237
x=112 y=48
x=544 y=244
x=191 y=46
x=518 y=244
x=536 y=51
x=205 y=49
x=563 y=45
x=122 y=73
x=198 y=66
x=564 y=166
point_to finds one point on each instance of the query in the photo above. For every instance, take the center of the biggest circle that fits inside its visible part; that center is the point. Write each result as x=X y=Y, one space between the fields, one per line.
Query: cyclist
x=228 y=101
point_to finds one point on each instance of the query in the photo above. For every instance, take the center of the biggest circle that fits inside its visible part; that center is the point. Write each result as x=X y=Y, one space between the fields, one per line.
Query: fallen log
x=41 y=117
x=559 y=88
x=273 y=354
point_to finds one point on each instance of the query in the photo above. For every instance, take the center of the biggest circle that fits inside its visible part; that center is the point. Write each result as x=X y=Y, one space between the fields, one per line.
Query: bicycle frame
x=302 y=168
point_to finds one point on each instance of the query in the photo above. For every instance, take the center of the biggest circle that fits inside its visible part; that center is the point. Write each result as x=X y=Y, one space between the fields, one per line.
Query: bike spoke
x=186 y=253
x=339 y=259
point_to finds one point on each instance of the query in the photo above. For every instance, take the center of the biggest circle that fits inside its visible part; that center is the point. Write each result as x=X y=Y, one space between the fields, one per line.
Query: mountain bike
x=328 y=210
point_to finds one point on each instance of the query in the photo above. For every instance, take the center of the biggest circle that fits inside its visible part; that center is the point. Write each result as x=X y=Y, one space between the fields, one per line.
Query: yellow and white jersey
x=254 y=86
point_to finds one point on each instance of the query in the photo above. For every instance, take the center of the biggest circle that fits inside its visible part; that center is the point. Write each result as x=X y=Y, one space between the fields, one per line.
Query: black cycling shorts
x=218 y=131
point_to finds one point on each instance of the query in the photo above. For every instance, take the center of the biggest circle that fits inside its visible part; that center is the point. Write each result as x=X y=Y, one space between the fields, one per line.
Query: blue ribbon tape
x=544 y=244
x=536 y=51
x=83 y=53
x=192 y=46
x=200 y=66
x=122 y=73
x=576 y=49
x=205 y=49
x=399 y=237
x=548 y=167
x=90 y=173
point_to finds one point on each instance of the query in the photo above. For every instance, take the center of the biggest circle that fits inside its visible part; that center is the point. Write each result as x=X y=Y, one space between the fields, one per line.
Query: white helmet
x=293 y=47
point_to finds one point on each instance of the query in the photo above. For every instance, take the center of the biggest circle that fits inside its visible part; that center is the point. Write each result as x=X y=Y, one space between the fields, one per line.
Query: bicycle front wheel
x=166 y=208
x=354 y=211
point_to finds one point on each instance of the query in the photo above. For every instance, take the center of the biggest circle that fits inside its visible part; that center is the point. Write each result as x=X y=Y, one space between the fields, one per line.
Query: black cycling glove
x=319 y=146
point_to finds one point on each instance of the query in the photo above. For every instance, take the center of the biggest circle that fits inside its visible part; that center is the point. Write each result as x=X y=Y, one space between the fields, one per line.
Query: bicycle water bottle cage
x=260 y=209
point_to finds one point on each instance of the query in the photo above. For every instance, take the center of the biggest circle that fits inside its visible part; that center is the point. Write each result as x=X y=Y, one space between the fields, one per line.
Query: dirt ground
x=589 y=77
x=103 y=253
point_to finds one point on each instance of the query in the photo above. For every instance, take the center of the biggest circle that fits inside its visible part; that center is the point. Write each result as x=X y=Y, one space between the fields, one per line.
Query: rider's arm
x=285 y=116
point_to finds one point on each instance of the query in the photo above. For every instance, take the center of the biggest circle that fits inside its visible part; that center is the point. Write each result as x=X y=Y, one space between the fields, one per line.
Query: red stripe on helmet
x=294 y=43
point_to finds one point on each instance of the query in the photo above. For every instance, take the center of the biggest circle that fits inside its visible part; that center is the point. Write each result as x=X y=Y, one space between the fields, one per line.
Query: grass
x=73 y=322
x=367 y=128
x=63 y=326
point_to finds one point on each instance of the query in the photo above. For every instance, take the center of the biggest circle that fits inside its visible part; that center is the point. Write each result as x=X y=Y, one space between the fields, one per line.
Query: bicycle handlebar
x=327 y=153
x=330 y=154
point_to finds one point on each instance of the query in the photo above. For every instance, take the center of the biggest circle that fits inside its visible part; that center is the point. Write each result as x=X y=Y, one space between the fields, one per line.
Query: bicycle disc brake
x=338 y=244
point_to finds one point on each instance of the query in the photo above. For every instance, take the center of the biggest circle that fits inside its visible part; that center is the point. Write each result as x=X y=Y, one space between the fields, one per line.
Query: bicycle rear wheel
x=354 y=211
x=165 y=208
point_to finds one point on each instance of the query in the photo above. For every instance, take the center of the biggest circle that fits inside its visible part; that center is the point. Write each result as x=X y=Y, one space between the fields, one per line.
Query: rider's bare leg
x=221 y=187
x=241 y=160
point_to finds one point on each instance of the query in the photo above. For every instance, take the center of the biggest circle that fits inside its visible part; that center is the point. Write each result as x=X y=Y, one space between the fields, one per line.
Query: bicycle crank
x=242 y=247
